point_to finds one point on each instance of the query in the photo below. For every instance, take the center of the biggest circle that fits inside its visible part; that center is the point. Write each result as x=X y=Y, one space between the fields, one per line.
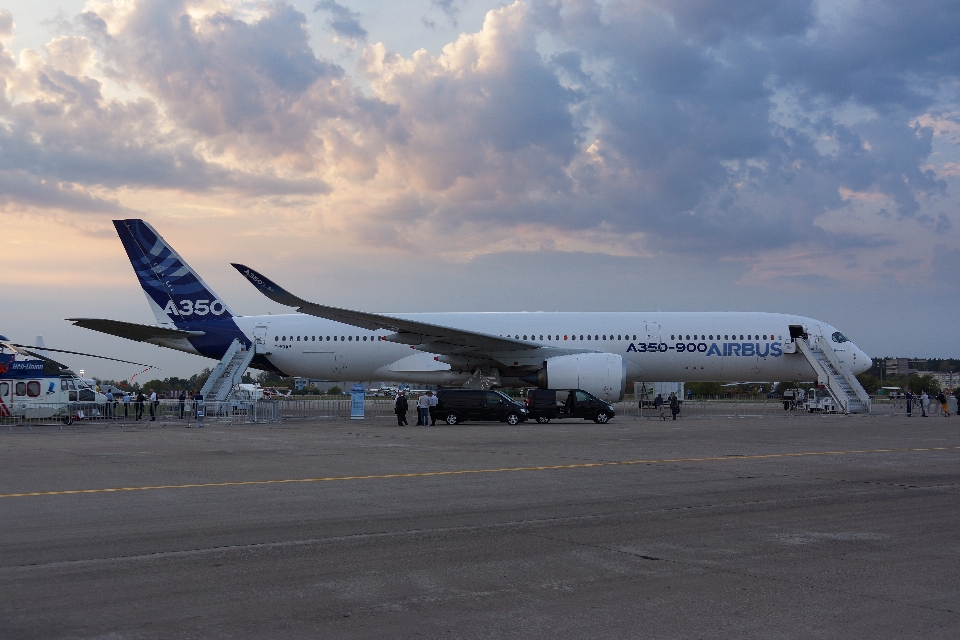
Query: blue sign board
x=357 y=397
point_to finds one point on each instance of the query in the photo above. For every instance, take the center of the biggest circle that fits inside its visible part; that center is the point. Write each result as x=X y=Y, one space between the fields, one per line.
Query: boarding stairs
x=228 y=372
x=835 y=375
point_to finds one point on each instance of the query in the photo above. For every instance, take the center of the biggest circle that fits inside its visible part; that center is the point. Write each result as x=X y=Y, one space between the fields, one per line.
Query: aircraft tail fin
x=174 y=290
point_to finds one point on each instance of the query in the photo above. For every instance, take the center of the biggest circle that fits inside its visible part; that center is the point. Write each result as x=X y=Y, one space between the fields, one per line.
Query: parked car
x=458 y=405
x=547 y=404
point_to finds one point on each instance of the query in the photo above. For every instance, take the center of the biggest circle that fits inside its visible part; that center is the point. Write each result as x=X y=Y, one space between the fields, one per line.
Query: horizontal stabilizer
x=132 y=330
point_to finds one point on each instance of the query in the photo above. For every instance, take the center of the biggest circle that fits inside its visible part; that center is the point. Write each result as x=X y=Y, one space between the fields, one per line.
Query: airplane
x=599 y=352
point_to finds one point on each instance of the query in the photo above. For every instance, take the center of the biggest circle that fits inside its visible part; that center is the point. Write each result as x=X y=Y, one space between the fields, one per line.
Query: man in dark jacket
x=674 y=405
x=139 y=405
x=400 y=408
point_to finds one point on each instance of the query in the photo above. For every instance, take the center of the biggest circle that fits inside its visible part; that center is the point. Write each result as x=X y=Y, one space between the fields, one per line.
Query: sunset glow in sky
x=752 y=155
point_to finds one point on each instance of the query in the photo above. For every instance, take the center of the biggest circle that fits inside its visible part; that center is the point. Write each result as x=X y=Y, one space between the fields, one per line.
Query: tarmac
x=808 y=527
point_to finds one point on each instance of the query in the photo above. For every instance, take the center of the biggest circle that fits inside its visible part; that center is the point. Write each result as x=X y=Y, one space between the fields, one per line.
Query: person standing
x=423 y=410
x=924 y=403
x=108 y=408
x=658 y=405
x=400 y=407
x=944 y=410
x=909 y=395
x=183 y=402
x=126 y=404
x=198 y=408
x=434 y=401
x=139 y=406
x=674 y=405
x=153 y=405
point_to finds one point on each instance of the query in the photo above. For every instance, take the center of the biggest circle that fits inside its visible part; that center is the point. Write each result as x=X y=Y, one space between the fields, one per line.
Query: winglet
x=268 y=287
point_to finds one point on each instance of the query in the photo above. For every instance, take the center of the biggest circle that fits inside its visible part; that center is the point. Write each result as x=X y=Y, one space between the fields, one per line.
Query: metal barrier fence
x=166 y=411
x=245 y=412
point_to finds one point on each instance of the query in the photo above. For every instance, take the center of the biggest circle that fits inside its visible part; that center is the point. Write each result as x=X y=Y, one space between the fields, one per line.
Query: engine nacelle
x=601 y=374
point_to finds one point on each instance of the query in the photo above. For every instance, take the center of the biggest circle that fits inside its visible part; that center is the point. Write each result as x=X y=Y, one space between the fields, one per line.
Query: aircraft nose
x=864 y=361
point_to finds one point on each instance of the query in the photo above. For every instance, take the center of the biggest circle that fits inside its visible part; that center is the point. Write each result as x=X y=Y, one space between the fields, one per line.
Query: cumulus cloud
x=6 y=23
x=725 y=129
x=342 y=21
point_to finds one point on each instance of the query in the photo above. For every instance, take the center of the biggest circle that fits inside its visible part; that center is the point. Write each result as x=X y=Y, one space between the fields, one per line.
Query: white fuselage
x=694 y=346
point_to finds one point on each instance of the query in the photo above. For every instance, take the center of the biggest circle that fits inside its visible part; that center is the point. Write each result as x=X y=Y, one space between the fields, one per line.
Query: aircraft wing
x=434 y=338
x=132 y=330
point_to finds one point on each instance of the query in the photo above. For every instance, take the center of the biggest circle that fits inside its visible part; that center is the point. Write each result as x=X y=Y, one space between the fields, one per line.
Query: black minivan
x=457 y=405
x=546 y=404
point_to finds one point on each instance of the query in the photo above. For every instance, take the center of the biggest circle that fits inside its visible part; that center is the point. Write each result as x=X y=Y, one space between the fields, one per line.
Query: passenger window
x=33 y=388
x=298 y=338
x=63 y=386
x=582 y=397
x=284 y=338
x=494 y=398
x=21 y=389
x=588 y=337
x=276 y=338
x=673 y=337
x=4 y=388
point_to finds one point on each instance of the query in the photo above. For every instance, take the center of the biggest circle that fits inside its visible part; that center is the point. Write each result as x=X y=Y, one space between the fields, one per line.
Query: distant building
x=947 y=379
x=903 y=366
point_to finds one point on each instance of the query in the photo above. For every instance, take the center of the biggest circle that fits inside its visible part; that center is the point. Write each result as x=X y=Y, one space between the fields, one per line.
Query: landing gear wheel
x=602 y=418
x=512 y=419
x=543 y=419
x=452 y=419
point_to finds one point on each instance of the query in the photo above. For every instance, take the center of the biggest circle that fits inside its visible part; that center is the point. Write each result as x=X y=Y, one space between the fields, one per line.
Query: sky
x=459 y=155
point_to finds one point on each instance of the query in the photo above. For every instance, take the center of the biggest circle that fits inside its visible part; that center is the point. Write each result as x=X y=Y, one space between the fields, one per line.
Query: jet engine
x=601 y=374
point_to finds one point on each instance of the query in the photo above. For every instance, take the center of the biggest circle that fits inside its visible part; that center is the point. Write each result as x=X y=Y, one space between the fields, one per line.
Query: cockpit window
x=839 y=337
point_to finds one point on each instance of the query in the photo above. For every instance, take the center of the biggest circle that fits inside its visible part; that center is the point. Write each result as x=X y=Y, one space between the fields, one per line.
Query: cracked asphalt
x=813 y=526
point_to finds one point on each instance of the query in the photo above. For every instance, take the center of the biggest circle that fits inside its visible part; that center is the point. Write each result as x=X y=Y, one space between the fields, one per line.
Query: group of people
x=673 y=401
x=148 y=401
x=426 y=409
x=924 y=401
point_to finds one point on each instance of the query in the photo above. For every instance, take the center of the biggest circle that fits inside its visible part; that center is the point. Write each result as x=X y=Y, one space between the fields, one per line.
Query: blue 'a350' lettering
x=194 y=308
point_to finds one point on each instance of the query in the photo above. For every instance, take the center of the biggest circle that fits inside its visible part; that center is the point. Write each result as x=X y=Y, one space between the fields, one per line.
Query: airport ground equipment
x=545 y=405
x=820 y=401
x=833 y=374
x=225 y=377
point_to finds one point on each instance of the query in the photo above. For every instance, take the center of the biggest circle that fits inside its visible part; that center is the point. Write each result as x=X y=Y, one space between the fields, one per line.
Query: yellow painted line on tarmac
x=460 y=472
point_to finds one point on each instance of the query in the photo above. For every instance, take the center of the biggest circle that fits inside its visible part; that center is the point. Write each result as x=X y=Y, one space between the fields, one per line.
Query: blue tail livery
x=191 y=317
x=177 y=295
